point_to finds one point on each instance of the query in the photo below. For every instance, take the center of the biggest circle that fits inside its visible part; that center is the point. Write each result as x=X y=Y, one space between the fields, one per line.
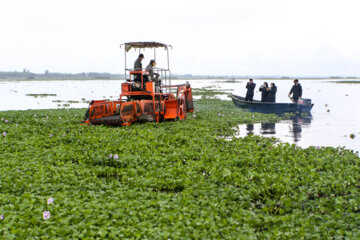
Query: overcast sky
x=227 y=37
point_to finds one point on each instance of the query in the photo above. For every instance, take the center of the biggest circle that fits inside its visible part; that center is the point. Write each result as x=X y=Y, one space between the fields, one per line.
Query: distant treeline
x=27 y=75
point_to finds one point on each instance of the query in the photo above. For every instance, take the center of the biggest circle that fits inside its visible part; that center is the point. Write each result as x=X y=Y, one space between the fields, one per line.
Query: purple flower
x=1 y=217
x=194 y=116
x=50 y=201
x=4 y=134
x=51 y=135
x=6 y=121
x=318 y=147
x=116 y=156
x=219 y=114
x=110 y=155
x=47 y=117
x=46 y=215
x=64 y=135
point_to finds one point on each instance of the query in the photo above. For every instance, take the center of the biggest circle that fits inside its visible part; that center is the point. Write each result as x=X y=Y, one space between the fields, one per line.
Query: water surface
x=335 y=115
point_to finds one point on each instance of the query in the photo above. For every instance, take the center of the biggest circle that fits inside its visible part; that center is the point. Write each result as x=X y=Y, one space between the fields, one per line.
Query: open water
x=335 y=115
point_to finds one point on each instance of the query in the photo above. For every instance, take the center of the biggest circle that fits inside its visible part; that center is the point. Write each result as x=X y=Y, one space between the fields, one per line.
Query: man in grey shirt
x=150 y=68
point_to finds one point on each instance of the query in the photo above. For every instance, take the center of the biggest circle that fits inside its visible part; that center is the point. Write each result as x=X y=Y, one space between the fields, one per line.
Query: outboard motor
x=305 y=101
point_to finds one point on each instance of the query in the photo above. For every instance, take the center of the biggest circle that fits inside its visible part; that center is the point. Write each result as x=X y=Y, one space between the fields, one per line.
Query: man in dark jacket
x=138 y=67
x=250 y=90
x=137 y=63
x=296 y=91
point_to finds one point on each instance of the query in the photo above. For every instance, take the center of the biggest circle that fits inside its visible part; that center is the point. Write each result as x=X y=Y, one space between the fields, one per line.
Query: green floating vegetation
x=208 y=92
x=70 y=101
x=173 y=180
x=233 y=80
x=41 y=95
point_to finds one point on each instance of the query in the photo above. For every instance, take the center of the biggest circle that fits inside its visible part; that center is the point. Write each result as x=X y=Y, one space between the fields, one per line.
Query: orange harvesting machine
x=142 y=97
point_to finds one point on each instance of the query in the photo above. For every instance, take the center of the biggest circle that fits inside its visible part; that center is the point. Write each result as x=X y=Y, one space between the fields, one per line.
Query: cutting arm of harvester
x=141 y=106
x=143 y=100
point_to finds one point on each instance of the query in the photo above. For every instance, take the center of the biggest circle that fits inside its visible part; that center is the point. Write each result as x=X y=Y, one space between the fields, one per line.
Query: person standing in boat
x=272 y=93
x=250 y=90
x=296 y=91
x=264 y=89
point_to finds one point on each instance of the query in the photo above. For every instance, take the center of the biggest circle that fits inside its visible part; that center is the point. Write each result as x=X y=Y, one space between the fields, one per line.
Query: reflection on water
x=250 y=128
x=286 y=130
x=297 y=123
x=267 y=128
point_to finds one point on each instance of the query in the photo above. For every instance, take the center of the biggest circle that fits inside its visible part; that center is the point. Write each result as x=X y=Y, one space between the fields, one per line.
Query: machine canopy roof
x=130 y=45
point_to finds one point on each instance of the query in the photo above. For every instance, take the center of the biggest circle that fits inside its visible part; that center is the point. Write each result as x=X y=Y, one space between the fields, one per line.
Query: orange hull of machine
x=142 y=104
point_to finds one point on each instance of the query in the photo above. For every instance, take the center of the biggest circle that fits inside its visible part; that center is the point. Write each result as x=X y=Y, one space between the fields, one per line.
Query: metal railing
x=164 y=76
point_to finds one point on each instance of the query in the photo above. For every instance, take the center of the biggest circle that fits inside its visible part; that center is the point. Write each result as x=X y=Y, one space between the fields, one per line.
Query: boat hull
x=270 y=107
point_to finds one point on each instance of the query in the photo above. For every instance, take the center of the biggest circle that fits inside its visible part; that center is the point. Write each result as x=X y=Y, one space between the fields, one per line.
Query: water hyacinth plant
x=46 y=215
x=177 y=180
x=50 y=201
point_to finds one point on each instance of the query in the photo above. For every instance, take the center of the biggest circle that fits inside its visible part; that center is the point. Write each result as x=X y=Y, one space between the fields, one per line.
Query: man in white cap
x=150 y=68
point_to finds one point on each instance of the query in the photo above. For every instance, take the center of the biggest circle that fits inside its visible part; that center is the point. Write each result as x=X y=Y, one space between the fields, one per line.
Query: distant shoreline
x=29 y=76
x=345 y=80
